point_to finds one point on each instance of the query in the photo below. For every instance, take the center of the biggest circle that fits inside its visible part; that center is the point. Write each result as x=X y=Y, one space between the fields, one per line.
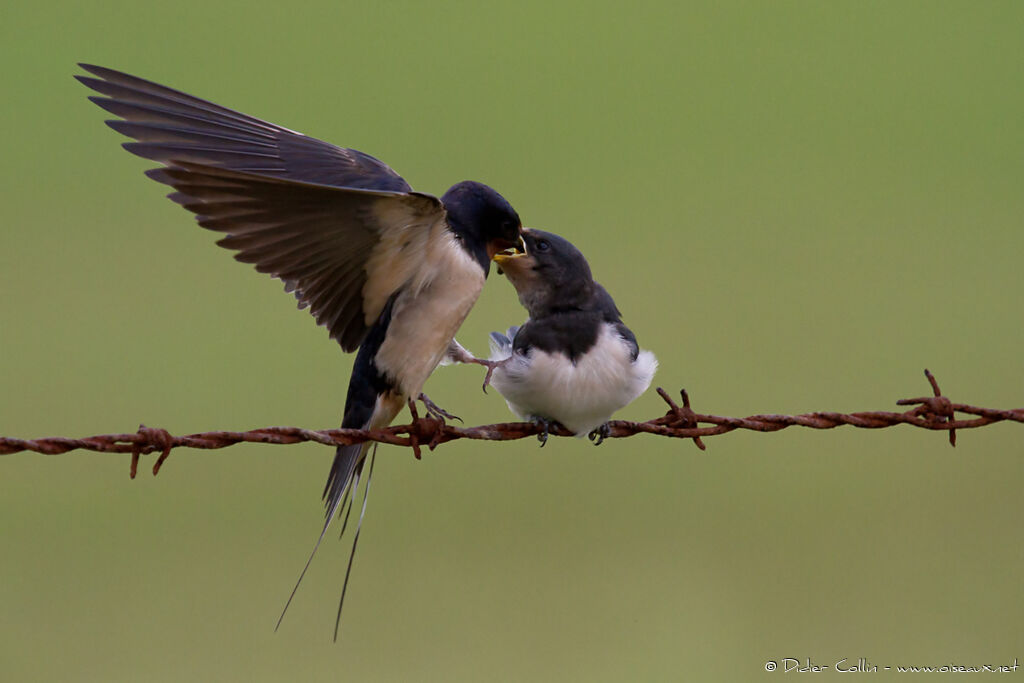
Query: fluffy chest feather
x=581 y=395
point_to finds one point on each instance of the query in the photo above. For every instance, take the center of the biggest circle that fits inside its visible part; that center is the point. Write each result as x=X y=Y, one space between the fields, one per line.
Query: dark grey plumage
x=573 y=361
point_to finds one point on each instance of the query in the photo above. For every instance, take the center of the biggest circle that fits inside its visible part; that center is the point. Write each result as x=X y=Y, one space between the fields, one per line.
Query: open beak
x=515 y=250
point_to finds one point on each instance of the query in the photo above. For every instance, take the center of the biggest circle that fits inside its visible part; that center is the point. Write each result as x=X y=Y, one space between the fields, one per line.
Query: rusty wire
x=934 y=412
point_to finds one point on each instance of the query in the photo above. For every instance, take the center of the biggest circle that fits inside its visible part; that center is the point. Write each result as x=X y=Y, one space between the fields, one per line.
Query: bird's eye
x=542 y=245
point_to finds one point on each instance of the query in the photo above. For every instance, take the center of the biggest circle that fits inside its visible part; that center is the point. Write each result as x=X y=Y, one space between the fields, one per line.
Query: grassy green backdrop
x=798 y=206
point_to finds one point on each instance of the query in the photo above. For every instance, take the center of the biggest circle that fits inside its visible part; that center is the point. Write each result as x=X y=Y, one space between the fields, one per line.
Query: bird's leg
x=545 y=426
x=435 y=411
x=491 y=366
x=600 y=434
x=456 y=353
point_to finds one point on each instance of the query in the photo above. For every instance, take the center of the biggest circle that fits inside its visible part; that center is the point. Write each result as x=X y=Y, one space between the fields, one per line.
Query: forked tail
x=342 y=483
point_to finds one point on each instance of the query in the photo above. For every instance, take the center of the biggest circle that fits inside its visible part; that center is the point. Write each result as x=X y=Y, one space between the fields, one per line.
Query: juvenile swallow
x=388 y=271
x=573 y=362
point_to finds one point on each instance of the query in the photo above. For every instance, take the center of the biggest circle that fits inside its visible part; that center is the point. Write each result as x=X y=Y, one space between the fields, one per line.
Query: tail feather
x=355 y=539
x=373 y=401
x=341 y=485
x=348 y=463
x=501 y=344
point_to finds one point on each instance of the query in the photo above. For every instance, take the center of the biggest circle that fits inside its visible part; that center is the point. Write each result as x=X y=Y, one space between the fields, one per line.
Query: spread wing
x=168 y=124
x=342 y=251
x=340 y=228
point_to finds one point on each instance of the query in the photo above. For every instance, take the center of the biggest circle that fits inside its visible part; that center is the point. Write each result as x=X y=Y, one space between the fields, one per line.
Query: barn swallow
x=573 y=362
x=388 y=271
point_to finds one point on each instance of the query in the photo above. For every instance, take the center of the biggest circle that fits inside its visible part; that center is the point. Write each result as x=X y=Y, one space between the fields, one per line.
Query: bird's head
x=551 y=275
x=484 y=220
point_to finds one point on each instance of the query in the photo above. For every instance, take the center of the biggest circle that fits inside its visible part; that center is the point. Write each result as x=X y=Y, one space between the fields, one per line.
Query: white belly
x=582 y=396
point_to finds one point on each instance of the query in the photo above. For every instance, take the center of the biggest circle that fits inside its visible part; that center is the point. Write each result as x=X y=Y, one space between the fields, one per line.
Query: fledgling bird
x=389 y=271
x=574 y=361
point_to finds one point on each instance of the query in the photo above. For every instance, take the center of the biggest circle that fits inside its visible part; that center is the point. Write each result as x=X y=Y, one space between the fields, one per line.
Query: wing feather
x=168 y=124
x=339 y=227
x=333 y=247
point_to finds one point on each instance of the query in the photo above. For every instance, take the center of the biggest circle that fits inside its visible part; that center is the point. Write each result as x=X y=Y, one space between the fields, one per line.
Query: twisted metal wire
x=934 y=412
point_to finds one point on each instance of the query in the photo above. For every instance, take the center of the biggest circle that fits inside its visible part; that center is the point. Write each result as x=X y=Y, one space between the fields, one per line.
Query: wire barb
x=685 y=417
x=151 y=440
x=937 y=407
x=936 y=413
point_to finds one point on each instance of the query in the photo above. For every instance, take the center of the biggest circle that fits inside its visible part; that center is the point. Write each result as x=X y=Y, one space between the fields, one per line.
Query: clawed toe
x=491 y=366
x=600 y=434
x=545 y=428
x=435 y=411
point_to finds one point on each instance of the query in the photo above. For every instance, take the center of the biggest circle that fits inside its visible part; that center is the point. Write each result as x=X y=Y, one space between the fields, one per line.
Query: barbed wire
x=934 y=412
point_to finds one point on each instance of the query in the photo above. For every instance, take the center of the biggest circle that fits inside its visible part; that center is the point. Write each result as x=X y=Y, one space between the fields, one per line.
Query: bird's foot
x=600 y=434
x=435 y=411
x=545 y=427
x=491 y=366
x=428 y=429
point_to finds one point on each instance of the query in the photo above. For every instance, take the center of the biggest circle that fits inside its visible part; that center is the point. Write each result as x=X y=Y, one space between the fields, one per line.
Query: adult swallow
x=574 y=361
x=388 y=271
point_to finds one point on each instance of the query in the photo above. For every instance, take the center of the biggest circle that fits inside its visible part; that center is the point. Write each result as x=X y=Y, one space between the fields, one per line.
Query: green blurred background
x=798 y=206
